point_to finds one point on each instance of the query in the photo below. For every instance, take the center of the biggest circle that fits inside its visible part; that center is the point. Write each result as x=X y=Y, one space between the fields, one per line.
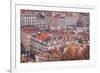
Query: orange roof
x=43 y=36
x=27 y=29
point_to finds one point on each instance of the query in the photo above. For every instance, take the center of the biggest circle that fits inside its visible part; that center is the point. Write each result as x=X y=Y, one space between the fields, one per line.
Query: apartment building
x=26 y=35
x=46 y=18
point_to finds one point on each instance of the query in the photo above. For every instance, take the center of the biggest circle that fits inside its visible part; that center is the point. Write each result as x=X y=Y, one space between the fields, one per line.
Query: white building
x=30 y=18
x=26 y=39
x=67 y=21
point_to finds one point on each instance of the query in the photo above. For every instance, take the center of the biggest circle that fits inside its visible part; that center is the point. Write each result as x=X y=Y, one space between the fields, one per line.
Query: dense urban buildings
x=54 y=36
